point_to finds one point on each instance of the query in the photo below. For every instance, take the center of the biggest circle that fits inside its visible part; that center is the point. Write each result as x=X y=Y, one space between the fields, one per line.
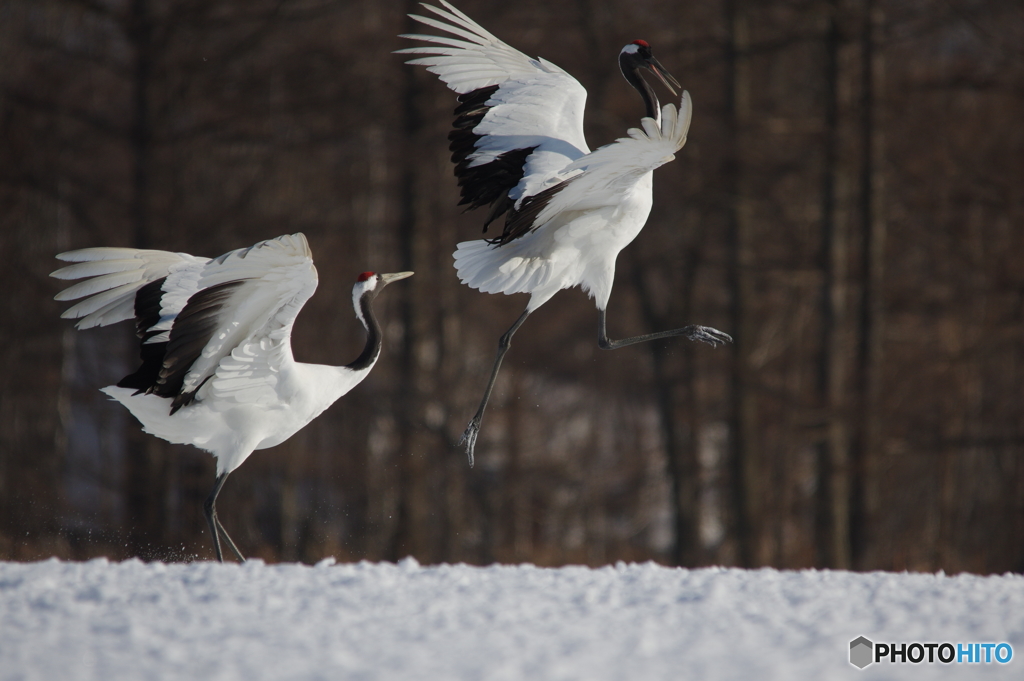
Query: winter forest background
x=849 y=207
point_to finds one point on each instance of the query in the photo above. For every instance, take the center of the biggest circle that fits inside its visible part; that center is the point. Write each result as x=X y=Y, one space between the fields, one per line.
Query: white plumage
x=218 y=371
x=580 y=231
x=536 y=103
x=519 y=147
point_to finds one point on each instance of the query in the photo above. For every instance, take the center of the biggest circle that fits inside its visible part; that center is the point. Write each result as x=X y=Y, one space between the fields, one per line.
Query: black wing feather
x=193 y=328
x=147 y=315
x=521 y=220
x=486 y=183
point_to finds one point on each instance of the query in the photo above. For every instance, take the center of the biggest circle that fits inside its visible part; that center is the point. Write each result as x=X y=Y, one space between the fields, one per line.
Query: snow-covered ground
x=103 y=620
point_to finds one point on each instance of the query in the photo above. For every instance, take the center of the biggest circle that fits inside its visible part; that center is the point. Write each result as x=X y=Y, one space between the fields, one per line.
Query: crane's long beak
x=663 y=75
x=388 y=278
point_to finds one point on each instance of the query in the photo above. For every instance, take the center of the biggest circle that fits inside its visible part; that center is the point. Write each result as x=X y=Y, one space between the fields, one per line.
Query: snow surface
x=132 y=620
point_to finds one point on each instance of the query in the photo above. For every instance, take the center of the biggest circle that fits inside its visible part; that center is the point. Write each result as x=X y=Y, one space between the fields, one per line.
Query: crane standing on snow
x=217 y=368
x=518 y=146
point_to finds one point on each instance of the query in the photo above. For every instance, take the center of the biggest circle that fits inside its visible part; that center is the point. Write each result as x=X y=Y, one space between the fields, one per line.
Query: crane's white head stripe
x=367 y=282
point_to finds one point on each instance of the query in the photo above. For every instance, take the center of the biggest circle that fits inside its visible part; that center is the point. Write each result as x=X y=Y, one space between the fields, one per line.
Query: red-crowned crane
x=217 y=368
x=518 y=147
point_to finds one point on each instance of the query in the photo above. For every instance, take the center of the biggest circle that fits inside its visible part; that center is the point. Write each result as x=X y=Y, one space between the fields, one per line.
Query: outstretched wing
x=519 y=121
x=114 y=278
x=246 y=297
x=575 y=210
x=605 y=176
x=191 y=313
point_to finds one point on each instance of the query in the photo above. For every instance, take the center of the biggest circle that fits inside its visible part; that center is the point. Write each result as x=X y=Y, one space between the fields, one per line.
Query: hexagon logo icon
x=860 y=652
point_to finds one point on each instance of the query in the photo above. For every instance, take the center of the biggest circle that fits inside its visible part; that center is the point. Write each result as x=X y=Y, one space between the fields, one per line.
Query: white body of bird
x=229 y=420
x=217 y=366
x=599 y=200
x=577 y=248
x=581 y=230
x=518 y=147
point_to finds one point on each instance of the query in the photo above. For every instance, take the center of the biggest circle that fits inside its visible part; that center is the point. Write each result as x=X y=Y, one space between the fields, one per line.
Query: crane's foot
x=469 y=438
x=705 y=334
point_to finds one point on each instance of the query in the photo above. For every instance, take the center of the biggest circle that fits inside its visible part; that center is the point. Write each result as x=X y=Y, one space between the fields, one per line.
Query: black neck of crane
x=374 y=338
x=631 y=72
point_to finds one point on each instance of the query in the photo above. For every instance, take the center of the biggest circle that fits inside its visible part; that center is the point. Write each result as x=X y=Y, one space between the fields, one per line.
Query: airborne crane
x=519 y=149
x=215 y=337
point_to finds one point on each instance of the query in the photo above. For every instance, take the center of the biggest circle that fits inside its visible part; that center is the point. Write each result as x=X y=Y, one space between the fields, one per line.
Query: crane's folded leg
x=473 y=429
x=216 y=529
x=705 y=334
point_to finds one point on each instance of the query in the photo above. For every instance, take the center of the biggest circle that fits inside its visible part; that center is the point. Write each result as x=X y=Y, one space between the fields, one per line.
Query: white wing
x=571 y=233
x=247 y=302
x=520 y=120
x=605 y=177
x=191 y=312
x=116 y=275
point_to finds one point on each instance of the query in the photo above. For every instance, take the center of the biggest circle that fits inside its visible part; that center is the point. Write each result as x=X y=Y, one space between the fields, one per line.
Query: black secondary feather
x=523 y=219
x=148 y=306
x=193 y=328
x=486 y=183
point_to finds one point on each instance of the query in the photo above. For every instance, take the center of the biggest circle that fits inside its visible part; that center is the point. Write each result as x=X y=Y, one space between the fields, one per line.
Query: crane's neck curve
x=374 y=339
x=631 y=72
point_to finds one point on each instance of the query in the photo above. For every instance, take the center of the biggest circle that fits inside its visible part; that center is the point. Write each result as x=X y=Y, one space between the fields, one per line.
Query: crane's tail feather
x=675 y=124
x=488 y=269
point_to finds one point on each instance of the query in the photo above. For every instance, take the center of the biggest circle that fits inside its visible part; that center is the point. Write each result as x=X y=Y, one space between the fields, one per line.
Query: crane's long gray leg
x=216 y=529
x=473 y=429
x=705 y=334
x=231 y=544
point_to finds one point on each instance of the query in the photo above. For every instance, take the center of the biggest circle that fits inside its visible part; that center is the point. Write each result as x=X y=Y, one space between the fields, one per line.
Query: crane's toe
x=706 y=334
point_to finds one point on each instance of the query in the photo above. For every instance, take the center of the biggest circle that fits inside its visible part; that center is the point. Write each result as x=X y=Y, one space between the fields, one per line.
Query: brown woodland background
x=849 y=207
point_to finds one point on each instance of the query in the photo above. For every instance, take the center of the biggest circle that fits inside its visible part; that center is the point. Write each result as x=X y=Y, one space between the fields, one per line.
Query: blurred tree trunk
x=146 y=481
x=746 y=475
x=412 y=531
x=852 y=260
x=837 y=320
x=865 y=452
x=676 y=420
